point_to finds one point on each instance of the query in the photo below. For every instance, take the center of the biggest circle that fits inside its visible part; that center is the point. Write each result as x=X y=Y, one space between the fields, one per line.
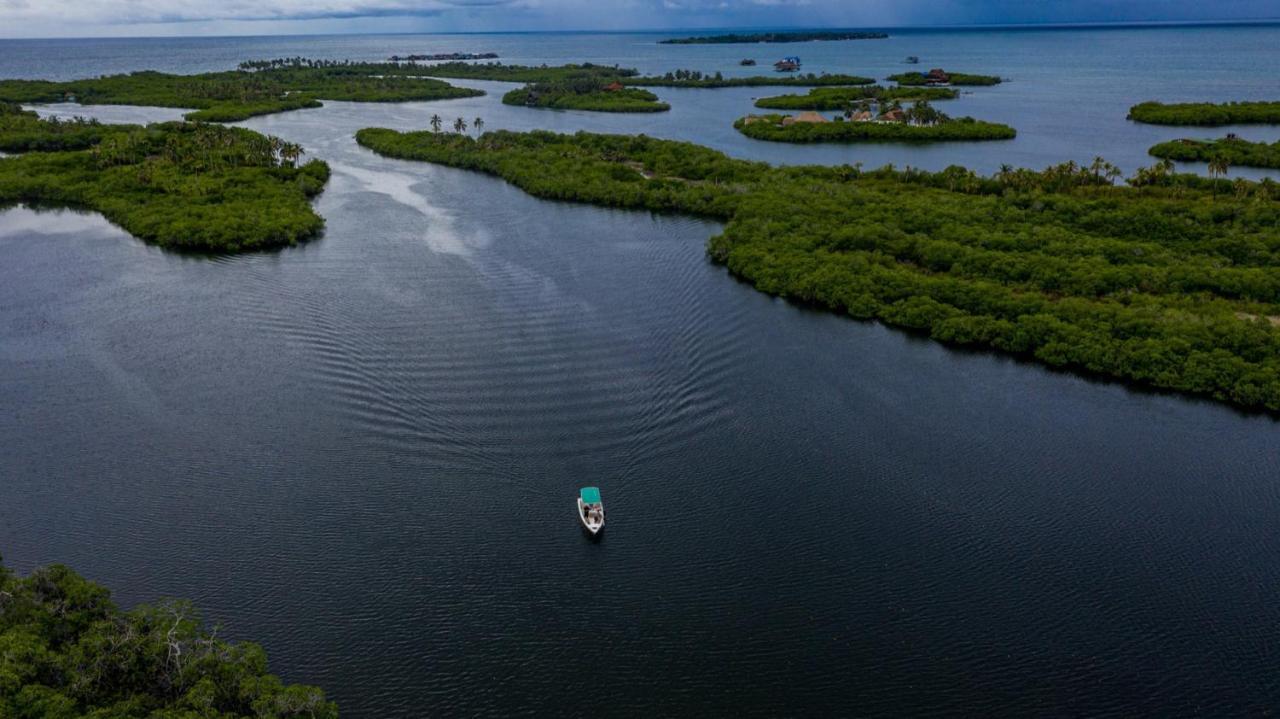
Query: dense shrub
x=183 y=185
x=244 y=93
x=590 y=96
x=954 y=78
x=1206 y=113
x=67 y=651
x=1232 y=151
x=841 y=98
x=770 y=127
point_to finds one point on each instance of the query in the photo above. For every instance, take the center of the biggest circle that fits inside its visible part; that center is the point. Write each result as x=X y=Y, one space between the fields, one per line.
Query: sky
x=94 y=18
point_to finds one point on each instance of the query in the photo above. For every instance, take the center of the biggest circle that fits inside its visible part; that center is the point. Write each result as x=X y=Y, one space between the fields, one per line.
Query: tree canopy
x=257 y=88
x=182 y=185
x=1206 y=113
x=68 y=652
x=1232 y=150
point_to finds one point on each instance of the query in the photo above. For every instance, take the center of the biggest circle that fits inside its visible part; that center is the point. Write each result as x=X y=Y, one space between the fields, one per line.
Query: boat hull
x=589 y=526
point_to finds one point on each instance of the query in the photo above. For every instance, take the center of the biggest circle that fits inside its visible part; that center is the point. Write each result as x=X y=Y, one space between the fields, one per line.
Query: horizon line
x=1116 y=24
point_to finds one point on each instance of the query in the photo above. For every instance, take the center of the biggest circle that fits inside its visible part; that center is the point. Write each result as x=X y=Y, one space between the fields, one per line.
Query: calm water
x=363 y=452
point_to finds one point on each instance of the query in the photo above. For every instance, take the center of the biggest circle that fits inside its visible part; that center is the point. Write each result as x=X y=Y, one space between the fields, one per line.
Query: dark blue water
x=364 y=452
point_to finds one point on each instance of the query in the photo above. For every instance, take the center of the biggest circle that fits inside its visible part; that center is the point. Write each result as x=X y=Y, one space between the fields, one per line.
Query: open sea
x=364 y=452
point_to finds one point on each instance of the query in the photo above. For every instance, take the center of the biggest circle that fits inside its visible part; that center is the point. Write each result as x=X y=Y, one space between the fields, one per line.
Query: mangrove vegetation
x=181 y=185
x=258 y=87
x=585 y=95
x=949 y=78
x=1221 y=153
x=844 y=98
x=919 y=123
x=1170 y=281
x=1206 y=113
x=67 y=652
x=605 y=74
x=698 y=79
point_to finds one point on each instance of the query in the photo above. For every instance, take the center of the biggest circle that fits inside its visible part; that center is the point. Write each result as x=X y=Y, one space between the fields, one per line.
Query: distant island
x=593 y=96
x=1222 y=154
x=938 y=76
x=737 y=39
x=605 y=74
x=697 y=79
x=841 y=98
x=1061 y=265
x=445 y=56
x=193 y=186
x=1206 y=113
x=920 y=123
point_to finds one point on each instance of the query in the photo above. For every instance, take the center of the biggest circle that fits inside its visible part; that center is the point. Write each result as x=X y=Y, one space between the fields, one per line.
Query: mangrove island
x=1222 y=153
x=259 y=87
x=1206 y=113
x=842 y=98
x=181 y=185
x=586 y=94
x=938 y=76
x=918 y=123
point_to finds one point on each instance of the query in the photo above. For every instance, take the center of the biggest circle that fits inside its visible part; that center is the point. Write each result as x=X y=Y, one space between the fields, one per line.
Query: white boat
x=591 y=509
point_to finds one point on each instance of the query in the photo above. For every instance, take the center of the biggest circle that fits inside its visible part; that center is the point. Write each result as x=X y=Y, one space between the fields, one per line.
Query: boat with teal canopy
x=591 y=509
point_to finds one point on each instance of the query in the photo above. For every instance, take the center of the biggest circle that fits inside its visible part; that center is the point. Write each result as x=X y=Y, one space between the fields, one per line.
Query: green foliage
x=66 y=650
x=588 y=95
x=23 y=131
x=1206 y=113
x=1164 y=283
x=954 y=78
x=244 y=93
x=842 y=98
x=1231 y=149
x=600 y=74
x=181 y=185
x=774 y=37
x=770 y=127
x=696 y=79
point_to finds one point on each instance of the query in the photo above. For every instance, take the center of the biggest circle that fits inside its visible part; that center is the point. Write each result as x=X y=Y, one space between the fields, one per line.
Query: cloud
x=28 y=18
x=161 y=11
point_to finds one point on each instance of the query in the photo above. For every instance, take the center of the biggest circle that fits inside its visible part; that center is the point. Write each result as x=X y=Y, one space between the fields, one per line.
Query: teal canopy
x=590 y=495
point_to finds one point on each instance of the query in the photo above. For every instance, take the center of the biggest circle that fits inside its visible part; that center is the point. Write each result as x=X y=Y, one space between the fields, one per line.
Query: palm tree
x=459 y=125
x=478 y=124
x=1218 y=167
x=435 y=123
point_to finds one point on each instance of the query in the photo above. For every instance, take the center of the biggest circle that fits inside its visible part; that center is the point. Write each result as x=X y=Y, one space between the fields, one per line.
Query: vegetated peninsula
x=66 y=650
x=938 y=76
x=697 y=79
x=1206 y=113
x=585 y=95
x=920 y=123
x=841 y=98
x=258 y=88
x=735 y=39
x=605 y=74
x=1222 y=153
x=181 y=185
x=1171 y=281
